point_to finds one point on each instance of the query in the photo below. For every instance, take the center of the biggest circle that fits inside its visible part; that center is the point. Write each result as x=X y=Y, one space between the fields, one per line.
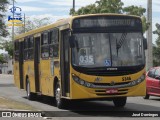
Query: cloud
x=29 y=8
x=78 y=3
x=156 y=8
x=53 y=18
x=24 y=1
x=135 y=2
x=40 y=9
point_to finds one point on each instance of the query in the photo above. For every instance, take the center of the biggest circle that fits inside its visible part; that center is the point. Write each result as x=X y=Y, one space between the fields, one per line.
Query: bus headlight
x=139 y=80
x=133 y=83
x=91 y=85
x=75 y=78
x=81 y=82
x=88 y=84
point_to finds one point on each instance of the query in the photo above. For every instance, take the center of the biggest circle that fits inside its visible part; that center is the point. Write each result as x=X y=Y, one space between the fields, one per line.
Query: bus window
x=54 y=43
x=44 y=46
x=45 y=38
x=25 y=49
x=30 y=47
x=44 y=52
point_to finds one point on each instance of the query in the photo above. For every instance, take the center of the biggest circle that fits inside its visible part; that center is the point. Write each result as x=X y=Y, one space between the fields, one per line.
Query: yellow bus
x=87 y=57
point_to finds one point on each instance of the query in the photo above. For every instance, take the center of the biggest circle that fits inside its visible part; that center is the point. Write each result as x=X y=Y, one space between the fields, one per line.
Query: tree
x=102 y=6
x=112 y=6
x=138 y=11
x=3 y=6
x=34 y=23
x=109 y=6
x=2 y=60
x=156 y=48
x=7 y=46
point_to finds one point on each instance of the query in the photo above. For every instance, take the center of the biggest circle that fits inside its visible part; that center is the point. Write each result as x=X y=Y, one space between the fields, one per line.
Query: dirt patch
x=10 y=104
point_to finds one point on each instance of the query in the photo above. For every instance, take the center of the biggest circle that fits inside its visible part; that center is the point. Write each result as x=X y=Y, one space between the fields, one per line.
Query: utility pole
x=13 y=25
x=74 y=5
x=24 y=23
x=149 y=55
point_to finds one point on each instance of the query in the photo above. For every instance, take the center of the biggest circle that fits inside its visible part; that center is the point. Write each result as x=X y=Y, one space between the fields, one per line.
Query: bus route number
x=86 y=60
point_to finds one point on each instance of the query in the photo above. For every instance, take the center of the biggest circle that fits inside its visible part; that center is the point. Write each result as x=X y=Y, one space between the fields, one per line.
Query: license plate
x=111 y=91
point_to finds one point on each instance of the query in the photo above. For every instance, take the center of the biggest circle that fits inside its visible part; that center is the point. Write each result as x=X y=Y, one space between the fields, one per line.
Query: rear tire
x=120 y=101
x=60 y=102
x=147 y=96
x=30 y=95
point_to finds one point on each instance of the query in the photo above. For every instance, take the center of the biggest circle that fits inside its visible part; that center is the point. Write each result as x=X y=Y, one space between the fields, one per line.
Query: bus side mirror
x=145 y=43
x=71 y=41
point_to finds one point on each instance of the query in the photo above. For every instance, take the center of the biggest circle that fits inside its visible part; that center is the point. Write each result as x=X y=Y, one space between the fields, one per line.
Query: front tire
x=30 y=95
x=146 y=97
x=59 y=101
x=120 y=101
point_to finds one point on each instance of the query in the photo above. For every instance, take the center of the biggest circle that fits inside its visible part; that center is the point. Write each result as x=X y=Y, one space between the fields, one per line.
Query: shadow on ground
x=95 y=108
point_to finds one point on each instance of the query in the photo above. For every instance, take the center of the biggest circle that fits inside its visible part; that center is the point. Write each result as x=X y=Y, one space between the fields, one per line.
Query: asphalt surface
x=80 y=110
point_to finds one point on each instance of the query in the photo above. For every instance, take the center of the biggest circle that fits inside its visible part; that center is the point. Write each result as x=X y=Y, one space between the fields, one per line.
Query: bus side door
x=65 y=64
x=21 y=52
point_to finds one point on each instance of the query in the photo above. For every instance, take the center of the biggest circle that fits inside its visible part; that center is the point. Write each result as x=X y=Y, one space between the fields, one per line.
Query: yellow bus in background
x=88 y=57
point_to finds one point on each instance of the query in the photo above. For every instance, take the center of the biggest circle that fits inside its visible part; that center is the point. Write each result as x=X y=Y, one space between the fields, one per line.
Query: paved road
x=8 y=90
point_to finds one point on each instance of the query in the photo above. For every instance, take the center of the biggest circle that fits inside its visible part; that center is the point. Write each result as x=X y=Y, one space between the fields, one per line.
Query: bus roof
x=63 y=22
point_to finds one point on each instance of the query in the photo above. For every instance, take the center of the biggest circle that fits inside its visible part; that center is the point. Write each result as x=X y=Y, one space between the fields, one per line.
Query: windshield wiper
x=120 y=42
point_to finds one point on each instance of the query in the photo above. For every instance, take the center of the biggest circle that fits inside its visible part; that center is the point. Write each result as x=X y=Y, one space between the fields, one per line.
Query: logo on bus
x=98 y=79
x=112 y=83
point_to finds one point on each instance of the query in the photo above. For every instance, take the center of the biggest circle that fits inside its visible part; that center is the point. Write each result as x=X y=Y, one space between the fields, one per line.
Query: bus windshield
x=108 y=49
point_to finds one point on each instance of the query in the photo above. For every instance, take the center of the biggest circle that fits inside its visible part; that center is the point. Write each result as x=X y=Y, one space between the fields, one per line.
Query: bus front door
x=65 y=67
x=36 y=63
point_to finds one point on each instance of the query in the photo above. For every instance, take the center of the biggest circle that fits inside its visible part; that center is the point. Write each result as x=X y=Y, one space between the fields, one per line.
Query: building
x=7 y=68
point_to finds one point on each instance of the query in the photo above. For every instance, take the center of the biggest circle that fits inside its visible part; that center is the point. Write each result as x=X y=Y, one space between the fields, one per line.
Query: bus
x=86 y=57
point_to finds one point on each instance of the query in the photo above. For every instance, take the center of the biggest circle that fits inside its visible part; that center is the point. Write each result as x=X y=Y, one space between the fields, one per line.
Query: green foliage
x=7 y=46
x=156 y=49
x=145 y=24
x=112 y=6
x=90 y=9
x=33 y=24
x=3 y=8
x=134 y=10
x=2 y=59
x=109 y=6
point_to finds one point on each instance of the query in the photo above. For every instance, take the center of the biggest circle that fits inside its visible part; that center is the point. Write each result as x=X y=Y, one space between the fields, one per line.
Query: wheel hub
x=58 y=95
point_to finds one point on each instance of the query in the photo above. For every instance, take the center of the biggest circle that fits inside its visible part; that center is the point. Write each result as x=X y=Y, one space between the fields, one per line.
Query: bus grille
x=103 y=92
x=109 y=84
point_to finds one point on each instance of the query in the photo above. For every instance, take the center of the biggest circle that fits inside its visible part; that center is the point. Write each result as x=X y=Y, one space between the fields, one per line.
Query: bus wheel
x=119 y=101
x=146 y=97
x=30 y=95
x=59 y=101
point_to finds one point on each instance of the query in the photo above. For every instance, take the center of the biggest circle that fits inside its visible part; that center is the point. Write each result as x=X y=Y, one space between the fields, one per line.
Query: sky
x=58 y=9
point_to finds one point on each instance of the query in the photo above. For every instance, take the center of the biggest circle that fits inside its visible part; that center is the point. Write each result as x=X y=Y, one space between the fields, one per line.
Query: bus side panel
x=51 y=78
x=25 y=73
x=31 y=75
x=45 y=77
x=16 y=74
